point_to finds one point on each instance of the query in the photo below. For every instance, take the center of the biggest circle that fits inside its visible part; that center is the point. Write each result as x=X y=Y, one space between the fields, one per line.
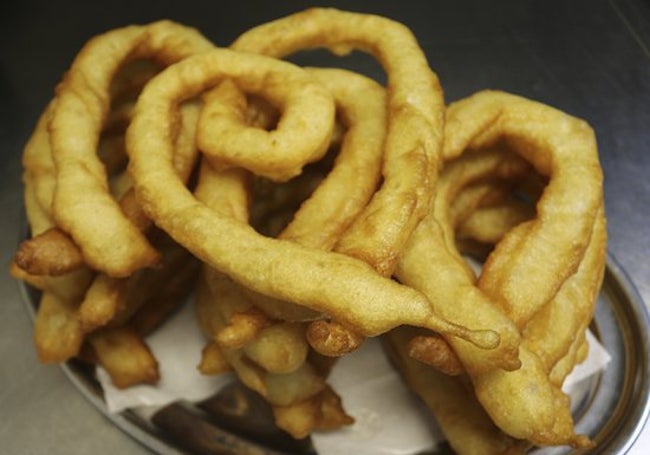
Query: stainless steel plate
x=612 y=411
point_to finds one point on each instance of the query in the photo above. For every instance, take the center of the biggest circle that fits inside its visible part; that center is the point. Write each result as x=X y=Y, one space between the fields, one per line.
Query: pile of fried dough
x=303 y=210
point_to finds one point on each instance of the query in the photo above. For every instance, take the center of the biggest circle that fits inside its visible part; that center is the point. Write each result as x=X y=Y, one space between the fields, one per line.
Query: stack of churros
x=304 y=210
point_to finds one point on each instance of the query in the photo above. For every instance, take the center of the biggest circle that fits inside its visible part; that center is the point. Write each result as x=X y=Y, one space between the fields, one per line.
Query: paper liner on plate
x=389 y=420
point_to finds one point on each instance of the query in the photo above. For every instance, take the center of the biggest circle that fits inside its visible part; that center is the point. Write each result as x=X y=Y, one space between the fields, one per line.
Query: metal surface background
x=590 y=58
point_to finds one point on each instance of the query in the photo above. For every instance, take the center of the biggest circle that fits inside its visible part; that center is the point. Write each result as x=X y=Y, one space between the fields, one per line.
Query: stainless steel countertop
x=590 y=58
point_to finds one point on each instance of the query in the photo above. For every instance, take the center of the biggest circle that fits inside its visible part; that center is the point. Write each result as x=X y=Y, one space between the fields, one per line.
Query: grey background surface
x=590 y=58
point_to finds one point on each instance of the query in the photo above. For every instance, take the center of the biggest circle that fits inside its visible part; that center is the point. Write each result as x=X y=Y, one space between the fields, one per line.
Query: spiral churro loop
x=415 y=118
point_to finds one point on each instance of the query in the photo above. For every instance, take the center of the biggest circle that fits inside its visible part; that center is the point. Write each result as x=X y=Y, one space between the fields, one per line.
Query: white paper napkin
x=177 y=346
x=388 y=419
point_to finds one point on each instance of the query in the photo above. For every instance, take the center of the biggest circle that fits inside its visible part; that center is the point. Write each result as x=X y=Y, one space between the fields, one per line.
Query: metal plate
x=612 y=411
